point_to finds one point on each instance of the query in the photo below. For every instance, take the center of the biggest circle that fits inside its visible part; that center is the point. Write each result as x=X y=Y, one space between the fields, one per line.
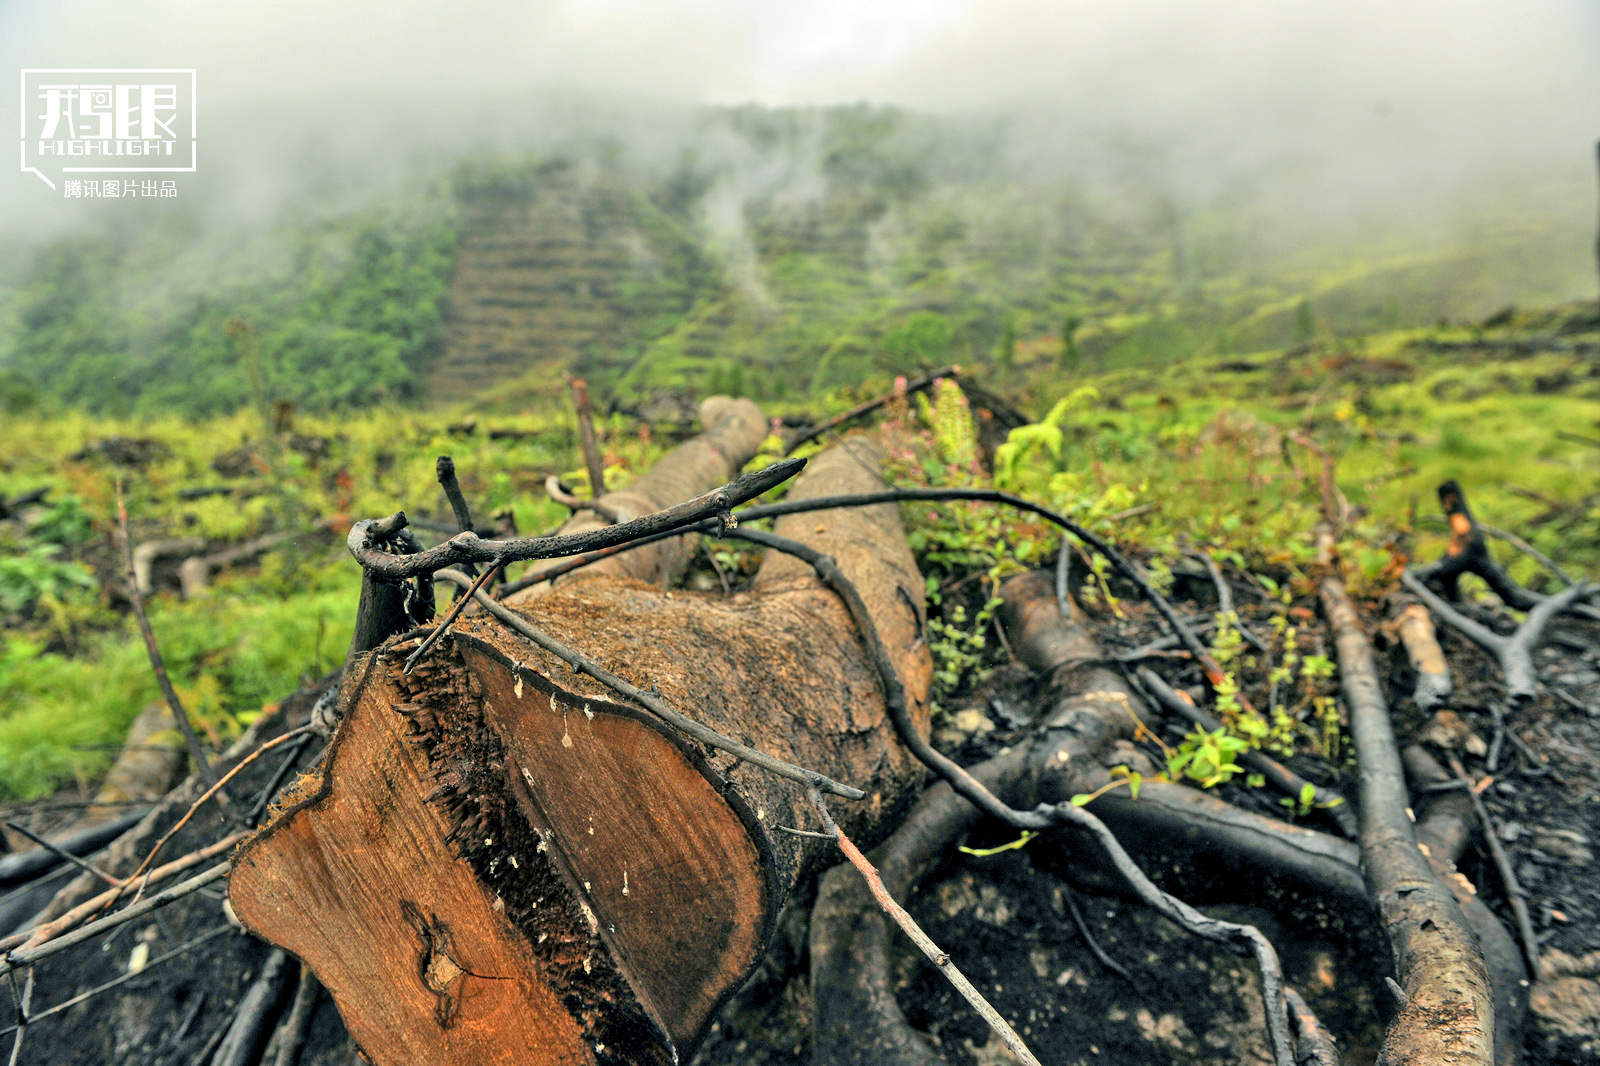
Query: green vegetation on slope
x=1202 y=457
x=781 y=252
x=346 y=313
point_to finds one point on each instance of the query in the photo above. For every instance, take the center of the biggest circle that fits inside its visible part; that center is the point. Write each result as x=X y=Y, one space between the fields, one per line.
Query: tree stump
x=505 y=862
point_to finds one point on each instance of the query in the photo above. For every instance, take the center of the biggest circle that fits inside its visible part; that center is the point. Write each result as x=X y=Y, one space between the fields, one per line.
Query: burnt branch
x=469 y=548
x=180 y=716
x=1449 y=1011
x=444 y=469
x=1515 y=652
x=811 y=434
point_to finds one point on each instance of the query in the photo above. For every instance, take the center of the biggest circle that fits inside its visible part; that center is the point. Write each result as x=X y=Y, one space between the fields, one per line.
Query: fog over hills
x=658 y=192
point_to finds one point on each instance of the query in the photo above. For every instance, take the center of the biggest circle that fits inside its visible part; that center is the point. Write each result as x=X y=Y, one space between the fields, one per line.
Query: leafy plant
x=1207 y=758
x=36 y=574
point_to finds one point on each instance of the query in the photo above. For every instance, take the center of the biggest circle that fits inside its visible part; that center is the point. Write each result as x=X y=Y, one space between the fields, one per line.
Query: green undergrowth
x=1215 y=456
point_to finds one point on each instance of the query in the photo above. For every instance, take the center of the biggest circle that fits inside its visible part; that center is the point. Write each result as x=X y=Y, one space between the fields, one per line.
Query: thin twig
x=1094 y=945
x=130 y=975
x=1502 y=864
x=24 y=1019
x=16 y=960
x=722 y=575
x=650 y=701
x=277 y=778
x=180 y=716
x=455 y=612
x=1063 y=573
x=63 y=854
x=908 y=925
x=96 y=904
x=1225 y=603
x=814 y=432
x=197 y=804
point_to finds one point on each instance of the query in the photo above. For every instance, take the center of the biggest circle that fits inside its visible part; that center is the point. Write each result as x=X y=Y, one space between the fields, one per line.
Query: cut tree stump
x=505 y=862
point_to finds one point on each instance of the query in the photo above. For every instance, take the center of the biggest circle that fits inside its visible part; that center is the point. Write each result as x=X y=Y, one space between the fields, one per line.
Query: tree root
x=856 y=1017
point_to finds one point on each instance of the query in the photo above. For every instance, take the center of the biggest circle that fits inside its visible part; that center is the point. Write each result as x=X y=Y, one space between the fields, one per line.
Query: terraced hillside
x=557 y=269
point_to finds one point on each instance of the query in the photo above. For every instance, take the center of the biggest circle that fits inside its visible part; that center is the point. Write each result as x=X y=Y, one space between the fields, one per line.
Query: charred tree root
x=1448 y=1015
x=856 y=1018
x=1514 y=652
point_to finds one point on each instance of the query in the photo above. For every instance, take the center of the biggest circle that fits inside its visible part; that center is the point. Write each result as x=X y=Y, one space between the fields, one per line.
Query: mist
x=1315 y=118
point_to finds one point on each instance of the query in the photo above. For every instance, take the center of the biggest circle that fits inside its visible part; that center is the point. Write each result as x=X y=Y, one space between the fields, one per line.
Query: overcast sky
x=1431 y=90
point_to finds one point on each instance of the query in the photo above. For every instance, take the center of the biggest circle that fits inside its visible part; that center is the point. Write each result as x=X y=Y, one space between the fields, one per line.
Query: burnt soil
x=1004 y=918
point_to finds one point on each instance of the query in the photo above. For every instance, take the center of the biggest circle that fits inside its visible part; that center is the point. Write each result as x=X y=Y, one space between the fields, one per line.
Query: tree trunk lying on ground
x=504 y=862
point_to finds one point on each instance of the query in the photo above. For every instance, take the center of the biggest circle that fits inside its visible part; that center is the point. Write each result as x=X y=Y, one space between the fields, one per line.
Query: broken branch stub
x=504 y=861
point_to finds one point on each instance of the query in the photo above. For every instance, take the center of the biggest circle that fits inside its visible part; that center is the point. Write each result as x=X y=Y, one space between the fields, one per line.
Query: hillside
x=772 y=252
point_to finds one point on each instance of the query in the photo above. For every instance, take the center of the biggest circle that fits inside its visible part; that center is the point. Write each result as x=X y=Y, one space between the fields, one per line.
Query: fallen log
x=504 y=861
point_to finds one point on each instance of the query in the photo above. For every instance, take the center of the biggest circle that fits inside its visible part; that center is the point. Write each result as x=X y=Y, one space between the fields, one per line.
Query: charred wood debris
x=1386 y=850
